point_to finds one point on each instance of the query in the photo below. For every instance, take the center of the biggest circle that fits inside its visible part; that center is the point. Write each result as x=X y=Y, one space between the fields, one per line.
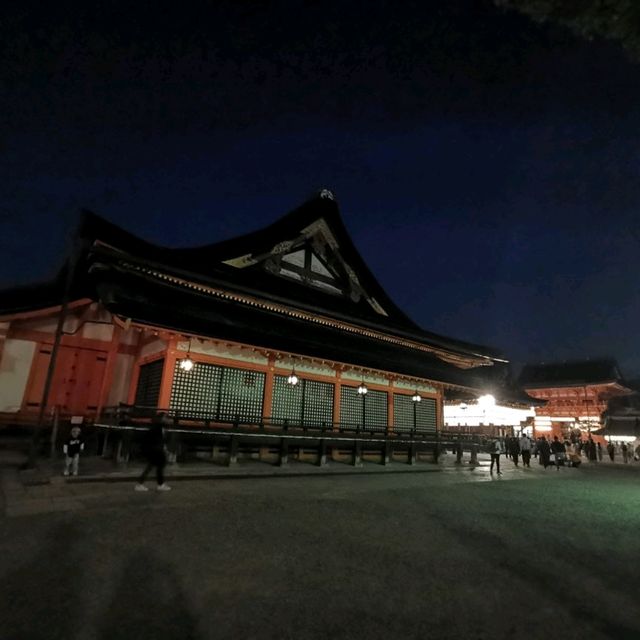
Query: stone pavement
x=46 y=490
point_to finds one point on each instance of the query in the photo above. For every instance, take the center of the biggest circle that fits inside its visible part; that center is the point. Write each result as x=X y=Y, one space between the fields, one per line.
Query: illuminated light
x=362 y=389
x=486 y=401
x=416 y=397
x=544 y=428
x=293 y=378
x=186 y=364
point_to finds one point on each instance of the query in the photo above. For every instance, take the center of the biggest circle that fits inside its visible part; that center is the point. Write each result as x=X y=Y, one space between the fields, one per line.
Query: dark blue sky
x=486 y=166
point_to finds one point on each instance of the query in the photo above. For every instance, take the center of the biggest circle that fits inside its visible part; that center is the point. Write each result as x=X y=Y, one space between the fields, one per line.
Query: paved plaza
x=440 y=551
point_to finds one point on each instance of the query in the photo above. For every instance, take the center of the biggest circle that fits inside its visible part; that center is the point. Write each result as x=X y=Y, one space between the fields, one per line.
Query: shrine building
x=285 y=325
x=577 y=394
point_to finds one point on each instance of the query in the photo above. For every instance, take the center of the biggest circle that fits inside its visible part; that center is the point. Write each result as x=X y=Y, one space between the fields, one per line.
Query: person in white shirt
x=525 y=449
x=495 y=449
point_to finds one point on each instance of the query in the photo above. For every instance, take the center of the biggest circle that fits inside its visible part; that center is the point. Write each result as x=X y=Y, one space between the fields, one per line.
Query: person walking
x=545 y=452
x=513 y=448
x=495 y=449
x=525 y=450
x=611 y=450
x=599 y=447
x=153 y=448
x=559 y=451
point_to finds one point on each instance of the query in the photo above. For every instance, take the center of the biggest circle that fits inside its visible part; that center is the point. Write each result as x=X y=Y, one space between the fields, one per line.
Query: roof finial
x=326 y=193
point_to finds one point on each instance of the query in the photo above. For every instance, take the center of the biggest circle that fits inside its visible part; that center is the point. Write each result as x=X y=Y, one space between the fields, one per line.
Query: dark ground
x=449 y=554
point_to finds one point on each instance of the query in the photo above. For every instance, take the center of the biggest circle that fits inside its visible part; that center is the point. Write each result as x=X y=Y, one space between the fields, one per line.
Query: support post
x=413 y=451
x=357 y=453
x=233 y=451
x=387 y=453
x=71 y=270
x=283 y=458
x=54 y=431
x=322 y=453
x=474 y=453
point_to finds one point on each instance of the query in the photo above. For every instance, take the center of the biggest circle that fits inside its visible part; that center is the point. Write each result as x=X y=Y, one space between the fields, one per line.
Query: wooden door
x=77 y=380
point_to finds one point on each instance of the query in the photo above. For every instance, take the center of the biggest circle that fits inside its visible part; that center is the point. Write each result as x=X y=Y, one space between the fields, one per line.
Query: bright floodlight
x=486 y=401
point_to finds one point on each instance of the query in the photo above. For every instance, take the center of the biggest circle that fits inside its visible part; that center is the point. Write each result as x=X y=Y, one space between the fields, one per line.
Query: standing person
x=611 y=451
x=625 y=452
x=153 y=449
x=525 y=449
x=514 y=449
x=72 y=447
x=559 y=451
x=592 y=450
x=545 y=452
x=599 y=446
x=495 y=449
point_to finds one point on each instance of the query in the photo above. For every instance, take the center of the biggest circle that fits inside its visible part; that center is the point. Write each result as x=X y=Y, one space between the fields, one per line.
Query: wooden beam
x=107 y=378
x=267 y=398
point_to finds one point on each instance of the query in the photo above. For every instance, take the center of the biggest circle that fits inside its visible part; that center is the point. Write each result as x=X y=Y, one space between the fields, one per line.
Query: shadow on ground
x=39 y=596
x=148 y=602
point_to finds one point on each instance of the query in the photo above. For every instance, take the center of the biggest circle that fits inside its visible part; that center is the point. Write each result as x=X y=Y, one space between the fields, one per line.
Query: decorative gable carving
x=314 y=260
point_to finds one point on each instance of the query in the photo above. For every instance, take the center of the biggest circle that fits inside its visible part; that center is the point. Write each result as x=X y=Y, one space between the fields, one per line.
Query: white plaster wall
x=121 y=379
x=130 y=337
x=47 y=325
x=153 y=347
x=16 y=362
x=98 y=331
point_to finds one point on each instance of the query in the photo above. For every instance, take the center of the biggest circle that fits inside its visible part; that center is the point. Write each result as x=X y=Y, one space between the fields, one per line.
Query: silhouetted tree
x=617 y=20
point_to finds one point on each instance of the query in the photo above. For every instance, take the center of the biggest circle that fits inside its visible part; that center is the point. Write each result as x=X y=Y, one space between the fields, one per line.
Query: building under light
x=285 y=325
x=576 y=395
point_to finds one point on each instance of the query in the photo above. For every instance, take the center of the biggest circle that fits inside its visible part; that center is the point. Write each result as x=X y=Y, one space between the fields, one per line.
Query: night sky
x=486 y=166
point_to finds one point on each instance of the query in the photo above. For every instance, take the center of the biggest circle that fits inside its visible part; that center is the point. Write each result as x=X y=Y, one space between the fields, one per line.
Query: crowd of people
x=556 y=452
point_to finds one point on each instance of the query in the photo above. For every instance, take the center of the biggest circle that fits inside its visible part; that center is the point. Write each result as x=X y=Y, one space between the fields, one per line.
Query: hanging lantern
x=416 y=397
x=293 y=378
x=187 y=364
x=362 y=389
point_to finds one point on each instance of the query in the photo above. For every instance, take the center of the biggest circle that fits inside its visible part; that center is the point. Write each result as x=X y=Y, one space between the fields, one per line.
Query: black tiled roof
x=205 y=264
x=567 y=374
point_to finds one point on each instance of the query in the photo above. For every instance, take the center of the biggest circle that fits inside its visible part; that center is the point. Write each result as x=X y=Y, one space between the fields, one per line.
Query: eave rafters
x=461 y=361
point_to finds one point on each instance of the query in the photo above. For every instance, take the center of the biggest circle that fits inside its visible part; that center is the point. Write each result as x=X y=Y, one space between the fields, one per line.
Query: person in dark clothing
x=496 y=447
x=592 y=450
x=514 y=449
x=611 y=450
x=545 y=452
x=558 y=449
x=153 y=449
x=72 y=447
x=599 y=447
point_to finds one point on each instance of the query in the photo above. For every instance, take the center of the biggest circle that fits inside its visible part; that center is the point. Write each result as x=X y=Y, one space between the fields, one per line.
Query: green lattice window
x=369 y=410
x=241 y=394
x=403 y=414
x=309 y=403
x=219 y=393
x=148 y=389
